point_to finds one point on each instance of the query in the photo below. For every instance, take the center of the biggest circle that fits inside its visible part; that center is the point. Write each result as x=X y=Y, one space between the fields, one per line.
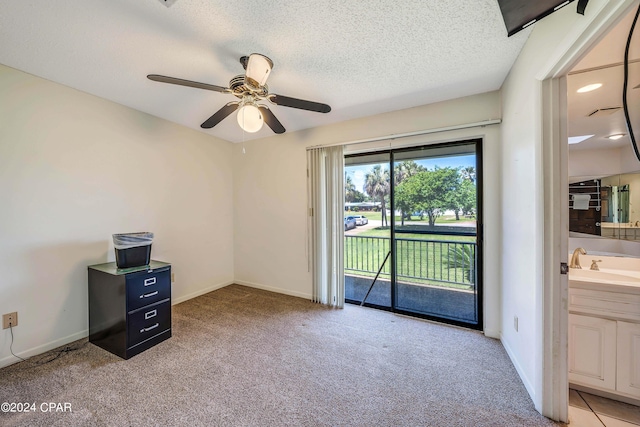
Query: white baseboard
x=184 y=298
x=491 y=333
x=523 y=377
x=10 y=360
x=274 y=289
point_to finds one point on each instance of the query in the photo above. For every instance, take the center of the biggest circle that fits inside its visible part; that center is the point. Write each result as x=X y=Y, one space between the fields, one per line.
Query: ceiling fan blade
x=189 y=83
x=271 y=120
x=220 y=115
x=286 y=101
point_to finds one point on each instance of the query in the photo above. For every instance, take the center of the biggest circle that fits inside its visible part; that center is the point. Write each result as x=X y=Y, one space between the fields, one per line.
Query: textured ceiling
x=362 y=58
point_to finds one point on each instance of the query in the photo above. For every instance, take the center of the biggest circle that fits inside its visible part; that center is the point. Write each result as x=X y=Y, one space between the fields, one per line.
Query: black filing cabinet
x=129 y=309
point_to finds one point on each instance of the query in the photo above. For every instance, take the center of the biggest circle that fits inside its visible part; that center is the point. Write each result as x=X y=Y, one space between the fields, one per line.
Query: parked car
x=361 y=220
x=349 y=223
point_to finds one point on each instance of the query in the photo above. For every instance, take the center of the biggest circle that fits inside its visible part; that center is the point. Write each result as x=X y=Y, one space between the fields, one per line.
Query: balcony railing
x=430 y=262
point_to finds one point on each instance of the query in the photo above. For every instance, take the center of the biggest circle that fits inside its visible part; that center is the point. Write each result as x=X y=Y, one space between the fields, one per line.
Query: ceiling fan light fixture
x=616 y=136
x=258 y=69
x=250 y=118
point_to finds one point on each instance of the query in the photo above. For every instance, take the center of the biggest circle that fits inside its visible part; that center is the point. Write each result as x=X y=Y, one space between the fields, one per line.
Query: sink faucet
x=575 y=258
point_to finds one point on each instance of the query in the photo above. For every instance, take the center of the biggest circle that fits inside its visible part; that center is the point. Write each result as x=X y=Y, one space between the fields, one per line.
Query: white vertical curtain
x=325 y=167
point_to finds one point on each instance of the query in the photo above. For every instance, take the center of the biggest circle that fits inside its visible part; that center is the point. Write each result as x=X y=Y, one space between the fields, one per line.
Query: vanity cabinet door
x=592 y=351
x=629 y=358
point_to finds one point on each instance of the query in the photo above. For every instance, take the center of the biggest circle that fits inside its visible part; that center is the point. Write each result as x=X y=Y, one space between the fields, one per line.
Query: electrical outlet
x=515 y=323
x=10 y=318
x=173 y=277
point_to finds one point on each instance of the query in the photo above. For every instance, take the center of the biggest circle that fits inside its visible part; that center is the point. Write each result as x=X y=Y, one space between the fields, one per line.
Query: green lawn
x=447 y=219
x=426 y=259
x=369 y=215
x=385 y=232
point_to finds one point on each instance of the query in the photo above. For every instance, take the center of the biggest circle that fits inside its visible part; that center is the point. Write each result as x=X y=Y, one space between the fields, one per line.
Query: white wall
x=75 y=169
x=522 y=185
x=596 y=245
x=594 y=163
x=603 y=162
x=270 y=193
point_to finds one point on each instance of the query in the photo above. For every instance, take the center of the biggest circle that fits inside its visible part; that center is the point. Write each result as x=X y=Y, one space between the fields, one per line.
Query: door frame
x=554 y=384
x=478 y=143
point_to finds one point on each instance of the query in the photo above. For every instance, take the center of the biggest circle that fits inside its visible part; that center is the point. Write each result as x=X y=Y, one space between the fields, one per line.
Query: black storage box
x=133 y=257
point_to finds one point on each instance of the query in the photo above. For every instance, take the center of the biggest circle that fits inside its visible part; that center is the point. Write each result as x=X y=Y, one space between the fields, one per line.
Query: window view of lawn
x=438 y=260
x=434 y=235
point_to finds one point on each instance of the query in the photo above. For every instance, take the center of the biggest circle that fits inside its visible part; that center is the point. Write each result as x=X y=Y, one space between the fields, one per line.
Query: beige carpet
x=246 y=357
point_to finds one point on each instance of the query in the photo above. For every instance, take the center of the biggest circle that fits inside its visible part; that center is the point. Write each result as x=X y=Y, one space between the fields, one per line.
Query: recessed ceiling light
x=577 y=139
x=616 y=136
x=589 y=88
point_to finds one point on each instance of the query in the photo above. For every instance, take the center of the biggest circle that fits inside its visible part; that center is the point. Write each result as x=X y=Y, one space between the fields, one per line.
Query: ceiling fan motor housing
x=239 y=87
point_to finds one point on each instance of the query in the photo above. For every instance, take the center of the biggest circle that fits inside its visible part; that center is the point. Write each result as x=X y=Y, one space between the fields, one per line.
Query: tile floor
x=588 y=410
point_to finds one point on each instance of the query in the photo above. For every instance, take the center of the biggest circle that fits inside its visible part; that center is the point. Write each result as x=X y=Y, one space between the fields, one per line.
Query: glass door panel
x=434 y=232
x=367 y=240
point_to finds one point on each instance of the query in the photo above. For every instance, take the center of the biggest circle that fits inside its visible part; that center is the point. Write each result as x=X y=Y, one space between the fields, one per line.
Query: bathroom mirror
x=607 y=206
x=600 y=151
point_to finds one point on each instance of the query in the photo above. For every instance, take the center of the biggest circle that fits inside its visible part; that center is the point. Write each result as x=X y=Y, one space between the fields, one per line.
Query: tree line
x=430 y=192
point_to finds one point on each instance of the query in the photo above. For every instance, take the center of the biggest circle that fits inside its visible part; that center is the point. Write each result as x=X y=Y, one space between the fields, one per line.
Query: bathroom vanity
x=604 y=327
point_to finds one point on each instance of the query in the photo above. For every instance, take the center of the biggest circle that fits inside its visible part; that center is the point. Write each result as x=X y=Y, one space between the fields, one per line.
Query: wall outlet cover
x=10 y=318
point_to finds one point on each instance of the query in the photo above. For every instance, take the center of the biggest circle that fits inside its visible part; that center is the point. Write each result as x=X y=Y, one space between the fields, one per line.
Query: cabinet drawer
x=604 y=304
x=147 y=288
x=148 y=321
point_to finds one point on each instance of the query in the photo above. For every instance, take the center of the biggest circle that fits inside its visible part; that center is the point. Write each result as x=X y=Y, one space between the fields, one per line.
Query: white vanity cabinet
x=628 y=380
x=592 y=351
x=604 y=340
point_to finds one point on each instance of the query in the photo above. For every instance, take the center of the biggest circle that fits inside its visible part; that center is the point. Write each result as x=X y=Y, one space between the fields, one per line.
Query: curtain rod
x=416 y=133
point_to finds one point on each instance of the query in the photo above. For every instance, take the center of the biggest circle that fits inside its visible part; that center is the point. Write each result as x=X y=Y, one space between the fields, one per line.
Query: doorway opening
x=602 y=172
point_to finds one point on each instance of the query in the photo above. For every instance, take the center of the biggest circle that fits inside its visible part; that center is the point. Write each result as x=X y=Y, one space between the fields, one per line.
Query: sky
x=358 y=172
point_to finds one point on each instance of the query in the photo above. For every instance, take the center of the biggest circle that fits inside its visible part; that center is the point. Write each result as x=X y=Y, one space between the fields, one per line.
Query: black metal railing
x=434 y=262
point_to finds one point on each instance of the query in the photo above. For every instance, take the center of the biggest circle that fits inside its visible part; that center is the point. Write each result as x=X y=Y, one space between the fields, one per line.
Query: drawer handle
x=149 y=328
x=150 y=294
x=150 y=281
x=150 y=314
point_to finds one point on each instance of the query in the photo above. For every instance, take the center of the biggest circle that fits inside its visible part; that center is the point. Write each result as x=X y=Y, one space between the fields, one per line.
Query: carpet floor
x=246 y=357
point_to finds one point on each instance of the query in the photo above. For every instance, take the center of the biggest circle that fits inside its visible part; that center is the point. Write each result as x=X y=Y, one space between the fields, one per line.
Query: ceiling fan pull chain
x=243 y=150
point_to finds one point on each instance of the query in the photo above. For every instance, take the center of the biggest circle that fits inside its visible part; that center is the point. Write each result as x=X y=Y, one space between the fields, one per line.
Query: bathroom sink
x=627 y=277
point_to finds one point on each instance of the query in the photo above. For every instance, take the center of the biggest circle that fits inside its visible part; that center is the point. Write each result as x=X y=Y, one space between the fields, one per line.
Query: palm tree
x=406 y=169
x=462 y=257
x=468 y=173
x=376 y=185
x=349 y=189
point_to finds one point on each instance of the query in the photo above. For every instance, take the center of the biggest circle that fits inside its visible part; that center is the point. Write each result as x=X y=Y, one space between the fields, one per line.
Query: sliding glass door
x=367 y=240
x=435 y=238
x=420 y=252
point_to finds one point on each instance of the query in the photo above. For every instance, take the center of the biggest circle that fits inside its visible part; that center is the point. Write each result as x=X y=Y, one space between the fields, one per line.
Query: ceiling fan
x=251 y=89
